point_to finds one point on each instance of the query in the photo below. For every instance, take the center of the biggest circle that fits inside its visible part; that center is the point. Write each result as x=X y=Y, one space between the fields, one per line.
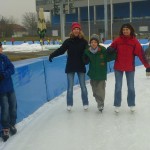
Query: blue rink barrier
x=30 y=87
x=56 y=81
x=37 y=81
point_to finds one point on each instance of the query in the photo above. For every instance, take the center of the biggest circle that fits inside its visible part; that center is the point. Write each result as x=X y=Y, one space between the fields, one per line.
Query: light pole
x=111 y=20
x=62 y=21
x=130 y=10
x=105 y=19
x=89 y=26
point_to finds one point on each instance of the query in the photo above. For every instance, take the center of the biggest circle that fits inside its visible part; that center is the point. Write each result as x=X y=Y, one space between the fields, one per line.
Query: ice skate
x=101 y=108
x=69 y=108
x=85 y=107
x=117 y=109
x=13 y=130
x=5 y=134
x=132 y=108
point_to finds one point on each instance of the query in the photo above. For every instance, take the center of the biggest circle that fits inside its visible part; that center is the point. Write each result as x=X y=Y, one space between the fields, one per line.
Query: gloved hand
x=86 y=59
x=50 y=58
x=1 y=77
x=147 y=71
x=110 y=50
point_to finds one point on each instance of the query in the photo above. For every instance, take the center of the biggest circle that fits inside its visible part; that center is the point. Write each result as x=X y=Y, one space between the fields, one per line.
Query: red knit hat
x=75 y=25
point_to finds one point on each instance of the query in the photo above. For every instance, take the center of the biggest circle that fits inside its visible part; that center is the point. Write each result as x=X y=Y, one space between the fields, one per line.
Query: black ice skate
x=13 y=130
x=5 y=134
x=101 y=108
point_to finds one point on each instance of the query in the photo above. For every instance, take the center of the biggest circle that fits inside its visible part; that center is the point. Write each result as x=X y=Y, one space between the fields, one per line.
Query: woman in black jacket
x=75 y=46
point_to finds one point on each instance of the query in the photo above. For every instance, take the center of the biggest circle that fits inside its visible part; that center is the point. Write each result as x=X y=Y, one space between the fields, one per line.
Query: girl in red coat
x=126 y=47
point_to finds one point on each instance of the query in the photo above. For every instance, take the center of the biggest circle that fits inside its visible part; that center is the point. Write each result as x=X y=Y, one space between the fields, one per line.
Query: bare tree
x=6 y=27
x=12 y=20
x=30 y=22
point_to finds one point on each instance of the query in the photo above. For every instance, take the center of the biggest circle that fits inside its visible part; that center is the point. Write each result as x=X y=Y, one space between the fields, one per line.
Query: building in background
x=94 y=14
x=19 y=31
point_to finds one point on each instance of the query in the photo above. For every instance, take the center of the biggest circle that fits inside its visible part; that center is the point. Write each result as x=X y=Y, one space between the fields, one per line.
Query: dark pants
x=98 y=88
x=8 y=109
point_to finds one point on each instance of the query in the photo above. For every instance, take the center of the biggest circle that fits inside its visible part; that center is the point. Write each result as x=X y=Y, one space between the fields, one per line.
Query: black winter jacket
x=75 y=49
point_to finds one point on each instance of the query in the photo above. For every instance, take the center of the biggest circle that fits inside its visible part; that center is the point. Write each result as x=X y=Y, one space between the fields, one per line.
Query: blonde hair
x=81 y=35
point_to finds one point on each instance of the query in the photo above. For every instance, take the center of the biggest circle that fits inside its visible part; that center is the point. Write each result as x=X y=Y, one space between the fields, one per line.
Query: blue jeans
x=84 y=94
x=118 y=88
x=8 y=109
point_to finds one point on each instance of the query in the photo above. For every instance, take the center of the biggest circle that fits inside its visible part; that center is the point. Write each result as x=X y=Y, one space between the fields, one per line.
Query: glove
x=1 y=77
x=86 y=59
x=111 y=50
x=50 y=58
x=147 y=71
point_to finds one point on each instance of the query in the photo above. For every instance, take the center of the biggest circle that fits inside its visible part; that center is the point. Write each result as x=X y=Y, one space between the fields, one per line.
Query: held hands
x=111 y=50
x=86 y=59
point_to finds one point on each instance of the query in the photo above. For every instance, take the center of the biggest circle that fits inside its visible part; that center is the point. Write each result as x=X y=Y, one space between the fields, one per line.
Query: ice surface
x=52 y=127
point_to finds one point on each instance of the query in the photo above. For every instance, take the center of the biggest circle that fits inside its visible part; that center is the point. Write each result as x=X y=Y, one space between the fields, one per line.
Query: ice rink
x=52 y=127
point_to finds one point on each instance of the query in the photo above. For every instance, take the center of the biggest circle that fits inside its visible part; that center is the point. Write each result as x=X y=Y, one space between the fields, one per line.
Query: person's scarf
x=92 y=50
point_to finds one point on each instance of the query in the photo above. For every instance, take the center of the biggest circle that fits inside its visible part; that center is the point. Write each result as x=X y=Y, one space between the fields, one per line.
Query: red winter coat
x=127 y=48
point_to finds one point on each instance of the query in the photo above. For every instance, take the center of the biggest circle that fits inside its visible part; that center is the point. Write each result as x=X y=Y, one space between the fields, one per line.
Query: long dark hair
x=129 y=26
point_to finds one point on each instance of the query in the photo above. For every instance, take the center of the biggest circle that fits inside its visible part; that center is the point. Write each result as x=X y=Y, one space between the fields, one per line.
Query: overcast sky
x=16 y=8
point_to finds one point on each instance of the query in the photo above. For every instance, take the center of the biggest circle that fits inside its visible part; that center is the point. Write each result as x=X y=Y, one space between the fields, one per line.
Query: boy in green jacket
x=97 y=57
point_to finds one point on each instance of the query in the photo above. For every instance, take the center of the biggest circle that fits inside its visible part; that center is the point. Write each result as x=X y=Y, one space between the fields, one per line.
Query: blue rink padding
x=37 y=81
x=143 y=41
x=108 y=42
x=56 y=80
x=30 y=87
x=30 y=42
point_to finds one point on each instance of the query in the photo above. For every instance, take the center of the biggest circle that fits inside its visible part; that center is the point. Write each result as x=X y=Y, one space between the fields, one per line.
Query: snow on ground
x=52 y=127
x=25 y=47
